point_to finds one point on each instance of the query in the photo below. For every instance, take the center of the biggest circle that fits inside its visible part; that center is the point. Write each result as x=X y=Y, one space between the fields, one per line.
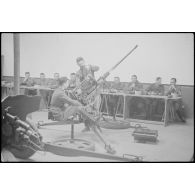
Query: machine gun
x=19 y=136
x=88 y=89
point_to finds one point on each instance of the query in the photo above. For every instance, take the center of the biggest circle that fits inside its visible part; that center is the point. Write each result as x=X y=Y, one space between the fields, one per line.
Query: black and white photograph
x=97 y=97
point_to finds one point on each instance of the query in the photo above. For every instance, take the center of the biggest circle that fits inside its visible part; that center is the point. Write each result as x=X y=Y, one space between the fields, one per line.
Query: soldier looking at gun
x=62 y=106
x=85 y=69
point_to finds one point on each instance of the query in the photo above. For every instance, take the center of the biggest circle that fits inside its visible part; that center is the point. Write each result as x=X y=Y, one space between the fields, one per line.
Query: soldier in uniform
x=113 y=99
x=54 y=83
x=29 y=82
x=134 y=85
x=136 y=104
x=73 y=82
x=85 y=70
x=62 y=106
x=154 y=89
x=177 y=105
x=44 y=93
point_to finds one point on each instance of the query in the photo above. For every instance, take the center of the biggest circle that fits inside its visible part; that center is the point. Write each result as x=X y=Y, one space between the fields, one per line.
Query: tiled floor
x=176 y=141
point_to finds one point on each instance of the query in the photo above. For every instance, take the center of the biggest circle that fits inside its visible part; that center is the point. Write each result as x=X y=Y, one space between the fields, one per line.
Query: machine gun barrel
x=16 y=120
x=108 y=72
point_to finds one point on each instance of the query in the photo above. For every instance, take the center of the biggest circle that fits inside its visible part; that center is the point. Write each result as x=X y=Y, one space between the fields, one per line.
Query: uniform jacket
x=28 y=82
x=132 y=87
x=59 y=99
x=42 y=82
x=53 y=84
x=116 y=86
x=85 y=70
x=174 y=89
x=156 y=89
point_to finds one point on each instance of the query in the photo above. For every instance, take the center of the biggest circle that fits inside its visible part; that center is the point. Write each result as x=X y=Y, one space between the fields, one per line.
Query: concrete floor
x=176 y=141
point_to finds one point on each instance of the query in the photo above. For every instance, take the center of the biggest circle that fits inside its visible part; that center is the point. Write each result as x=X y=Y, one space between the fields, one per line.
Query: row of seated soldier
x=147 y=107
x=44 y=82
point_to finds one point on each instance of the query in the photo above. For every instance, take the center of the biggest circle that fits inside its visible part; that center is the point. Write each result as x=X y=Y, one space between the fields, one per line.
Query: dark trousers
x=179 y=109
x=63 y=115
x=30 y=92
x=136 y=106
x=152 y=107
x=112 y=105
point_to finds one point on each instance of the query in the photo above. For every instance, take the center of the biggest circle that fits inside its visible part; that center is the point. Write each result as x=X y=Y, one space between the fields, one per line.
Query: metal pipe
x=16 y=38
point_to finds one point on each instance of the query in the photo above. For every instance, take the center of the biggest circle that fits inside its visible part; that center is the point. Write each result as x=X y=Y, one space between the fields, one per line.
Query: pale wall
x=165 y=55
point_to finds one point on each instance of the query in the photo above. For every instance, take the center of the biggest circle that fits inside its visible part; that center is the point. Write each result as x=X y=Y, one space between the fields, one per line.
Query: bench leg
x=72 y=131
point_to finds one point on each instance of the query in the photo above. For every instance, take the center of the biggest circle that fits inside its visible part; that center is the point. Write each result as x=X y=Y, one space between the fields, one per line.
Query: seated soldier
x=53 y=84
x=62 y=106
x=175 y=90
x=136 y=104
x=151 y=103
x=134 y=85
x=113 y=99
x=72 y=83
x=44 y=93
x=29 y=82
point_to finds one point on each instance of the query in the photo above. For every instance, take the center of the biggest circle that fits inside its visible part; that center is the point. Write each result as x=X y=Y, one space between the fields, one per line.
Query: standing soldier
x=85 y=70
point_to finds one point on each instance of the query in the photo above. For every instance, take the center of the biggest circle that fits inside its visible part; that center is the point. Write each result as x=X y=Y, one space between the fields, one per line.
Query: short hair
x=73 y=73
x=79 y=59
x=174 y=79
x=42 y=73
x=158 y=78
x=27 y=72
x=134 y=76
x=62 y=80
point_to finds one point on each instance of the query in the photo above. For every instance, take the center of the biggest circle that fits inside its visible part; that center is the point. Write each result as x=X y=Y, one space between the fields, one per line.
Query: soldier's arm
x=149 y=88
x=169 y=91
x=24 y=82
x=179 y=91
x=67 y=99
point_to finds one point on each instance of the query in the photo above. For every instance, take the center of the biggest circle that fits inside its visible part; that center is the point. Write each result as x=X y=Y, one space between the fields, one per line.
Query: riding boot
x=87 y=127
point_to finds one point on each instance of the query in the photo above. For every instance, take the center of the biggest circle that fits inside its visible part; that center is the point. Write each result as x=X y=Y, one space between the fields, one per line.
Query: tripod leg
x=108 y=148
